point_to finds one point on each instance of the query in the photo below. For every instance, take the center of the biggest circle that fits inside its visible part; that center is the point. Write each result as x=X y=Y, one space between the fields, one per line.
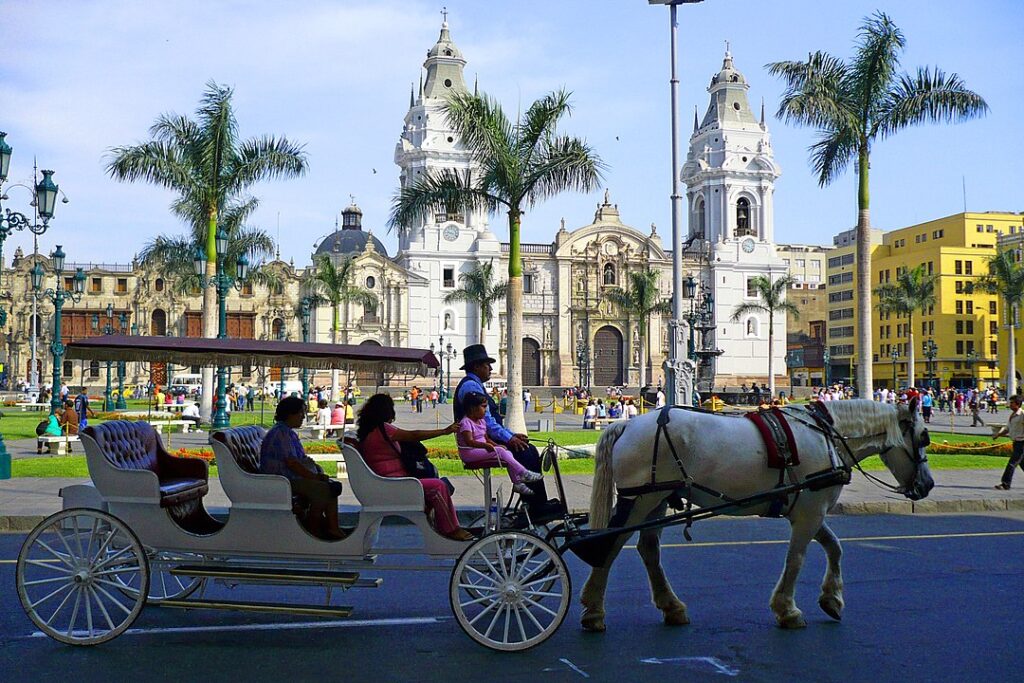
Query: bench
x=598 y=423
x=318 y=431
x=186 y=425
x=63 y=444
x=32 y=406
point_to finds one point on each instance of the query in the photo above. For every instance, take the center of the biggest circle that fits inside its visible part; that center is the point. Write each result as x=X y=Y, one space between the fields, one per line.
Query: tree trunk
x=864 y=338
x=515 y=417
x=483 y=326
x=771 y=355
x=1011 y=379
x=643 y=350
x=910 y=350
x=334 y=340
x=209 y=377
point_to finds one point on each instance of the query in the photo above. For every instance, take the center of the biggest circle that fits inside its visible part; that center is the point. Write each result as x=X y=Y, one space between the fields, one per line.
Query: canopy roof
x=211 y=352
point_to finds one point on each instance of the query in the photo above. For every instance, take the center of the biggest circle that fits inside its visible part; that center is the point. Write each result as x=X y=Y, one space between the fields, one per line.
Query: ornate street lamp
x=895 y=357
x=972 y=356
x=931 y=350
x=445 y=352
x=826 y=357
x=122 y=368
x=58 y=295
x=222 y=281
x=306 y=306
x=281 y=336
x=107 y=330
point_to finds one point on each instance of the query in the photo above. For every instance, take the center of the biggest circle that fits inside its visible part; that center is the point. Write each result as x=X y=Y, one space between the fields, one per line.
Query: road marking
x=575 y=668
x=713 y=662
x=411 y=621
x=851 y=539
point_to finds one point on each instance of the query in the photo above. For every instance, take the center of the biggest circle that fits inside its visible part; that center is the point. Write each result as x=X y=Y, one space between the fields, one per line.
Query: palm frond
x=155 y=162
x=831 y=155
x=266 y=158
x=746 y=309
x=875 y=62
x=816 y=92
x=540 y=121
x=481 y=125
x=563 y=163
x=928 y=96
x=447 y=188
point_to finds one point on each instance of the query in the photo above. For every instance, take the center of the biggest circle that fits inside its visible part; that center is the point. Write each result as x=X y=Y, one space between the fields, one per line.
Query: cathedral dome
x=444 y=46
x=350 y=239
x=728 y=74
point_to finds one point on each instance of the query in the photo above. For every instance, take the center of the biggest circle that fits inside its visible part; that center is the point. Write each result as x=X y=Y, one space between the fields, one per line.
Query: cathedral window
x=370 y=282
x=277 y=329
x=701 y=220
x=68 y=368
x=94 y=369
x=743 y=224
x=159 y=284
x=449 y=277
x=609 y=274
x=528 y=283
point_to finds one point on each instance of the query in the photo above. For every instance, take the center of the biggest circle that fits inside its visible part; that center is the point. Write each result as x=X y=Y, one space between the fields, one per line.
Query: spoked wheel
x=510 y=591
x=71 y=573
x=162 y=584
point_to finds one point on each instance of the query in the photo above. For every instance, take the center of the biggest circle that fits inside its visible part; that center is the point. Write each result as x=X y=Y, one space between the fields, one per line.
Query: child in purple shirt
x=475 y=448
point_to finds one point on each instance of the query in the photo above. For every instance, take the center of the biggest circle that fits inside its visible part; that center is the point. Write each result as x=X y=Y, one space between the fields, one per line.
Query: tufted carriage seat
x=136 y=446
x=244 y=444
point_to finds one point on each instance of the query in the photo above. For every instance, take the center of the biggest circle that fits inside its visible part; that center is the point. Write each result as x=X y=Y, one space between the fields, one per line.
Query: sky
x=78 y=77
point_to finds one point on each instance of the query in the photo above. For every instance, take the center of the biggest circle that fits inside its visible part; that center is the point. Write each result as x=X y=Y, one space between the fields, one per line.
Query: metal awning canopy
x=237 y=352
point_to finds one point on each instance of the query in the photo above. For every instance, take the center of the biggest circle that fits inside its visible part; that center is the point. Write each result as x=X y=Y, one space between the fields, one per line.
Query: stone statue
x=447 y=321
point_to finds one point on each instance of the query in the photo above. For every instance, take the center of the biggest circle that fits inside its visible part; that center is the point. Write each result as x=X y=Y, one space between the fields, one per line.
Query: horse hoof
x=676 y=617
x=593 y=624
x=792 y=621
x=832 y=606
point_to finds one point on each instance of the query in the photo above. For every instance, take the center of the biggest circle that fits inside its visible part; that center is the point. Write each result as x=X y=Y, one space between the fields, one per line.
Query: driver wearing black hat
x=477 y=364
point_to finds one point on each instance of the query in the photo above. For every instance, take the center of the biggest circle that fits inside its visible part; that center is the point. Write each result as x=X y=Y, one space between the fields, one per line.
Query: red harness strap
x=777 y=436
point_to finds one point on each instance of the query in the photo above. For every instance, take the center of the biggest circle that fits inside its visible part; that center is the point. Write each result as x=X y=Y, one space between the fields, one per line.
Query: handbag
x=413 y=456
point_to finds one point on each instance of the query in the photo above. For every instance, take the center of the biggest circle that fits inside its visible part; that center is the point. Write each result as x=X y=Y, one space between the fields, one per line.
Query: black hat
x=473 y=354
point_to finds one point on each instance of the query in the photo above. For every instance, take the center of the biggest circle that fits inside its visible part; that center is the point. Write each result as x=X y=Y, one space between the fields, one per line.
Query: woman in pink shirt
x=379 y=444
x=338 y=414
x=476 y=448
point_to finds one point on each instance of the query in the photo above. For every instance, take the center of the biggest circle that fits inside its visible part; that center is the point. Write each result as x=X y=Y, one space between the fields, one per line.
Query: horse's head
x=908 y=462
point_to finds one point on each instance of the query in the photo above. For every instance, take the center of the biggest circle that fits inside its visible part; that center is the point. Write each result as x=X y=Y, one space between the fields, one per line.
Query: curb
x=18 y=523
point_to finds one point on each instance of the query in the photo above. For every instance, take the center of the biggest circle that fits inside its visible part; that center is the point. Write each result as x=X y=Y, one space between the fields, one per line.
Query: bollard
x=5 y=463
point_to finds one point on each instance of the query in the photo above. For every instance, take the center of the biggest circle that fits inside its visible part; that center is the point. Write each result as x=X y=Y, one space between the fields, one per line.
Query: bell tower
x=730 y=175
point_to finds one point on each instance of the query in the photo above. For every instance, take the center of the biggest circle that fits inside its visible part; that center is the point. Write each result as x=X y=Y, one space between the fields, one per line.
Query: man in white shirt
x=660 y=400
x=1015 y=430
x=191 y=413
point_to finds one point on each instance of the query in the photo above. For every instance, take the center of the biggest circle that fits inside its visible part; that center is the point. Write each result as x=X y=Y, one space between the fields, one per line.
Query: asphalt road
x=928 y=598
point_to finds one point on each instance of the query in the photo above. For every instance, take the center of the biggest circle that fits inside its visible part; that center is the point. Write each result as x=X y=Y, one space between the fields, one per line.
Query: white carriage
x=141 y=534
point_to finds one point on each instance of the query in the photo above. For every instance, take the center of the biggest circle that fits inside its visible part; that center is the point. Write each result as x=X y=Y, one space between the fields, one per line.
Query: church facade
x=573 y=333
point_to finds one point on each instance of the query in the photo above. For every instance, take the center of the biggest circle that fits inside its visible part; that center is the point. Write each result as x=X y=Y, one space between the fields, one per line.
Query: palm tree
x=855 y=104
x=209 y=168
x=772 y=301
x=516 y=165
x=1006 y=279
x=642 y=299
x=333 y=282
x=912 y=291
x=478 y=286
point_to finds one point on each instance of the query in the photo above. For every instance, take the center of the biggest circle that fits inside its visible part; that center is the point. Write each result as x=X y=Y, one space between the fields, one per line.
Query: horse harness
x=780 y=504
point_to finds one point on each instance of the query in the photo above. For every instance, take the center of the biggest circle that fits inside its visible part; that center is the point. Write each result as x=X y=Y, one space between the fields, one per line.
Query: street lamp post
x=972 y=356
x=222 y=281
x=931 y=350
x=58 y=295
x=445 y=352
x=44 y=200
x=825 y=358
x=895 y=357
x=107 y=330
x=281 y=336
x=674 y=365
x=306 y=306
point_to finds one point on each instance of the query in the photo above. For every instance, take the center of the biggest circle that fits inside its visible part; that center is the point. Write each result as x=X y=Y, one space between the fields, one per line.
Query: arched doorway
x=608 y=357
x=531 y=363
x=369 y=378
x=158 y=323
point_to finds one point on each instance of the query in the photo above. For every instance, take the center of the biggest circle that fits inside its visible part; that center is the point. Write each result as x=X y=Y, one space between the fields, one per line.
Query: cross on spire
x=444 y=13
x=353 y=198
x=727 y=49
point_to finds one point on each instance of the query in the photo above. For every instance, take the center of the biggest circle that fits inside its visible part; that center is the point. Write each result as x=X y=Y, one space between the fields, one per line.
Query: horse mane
x=861 y=418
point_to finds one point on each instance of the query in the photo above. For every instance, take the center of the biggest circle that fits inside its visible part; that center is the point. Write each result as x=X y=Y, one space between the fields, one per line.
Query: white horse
x=727 y=454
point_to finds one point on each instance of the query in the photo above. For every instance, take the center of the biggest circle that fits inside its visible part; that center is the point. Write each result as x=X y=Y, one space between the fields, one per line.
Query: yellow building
x=963 y=324
x=840 y=284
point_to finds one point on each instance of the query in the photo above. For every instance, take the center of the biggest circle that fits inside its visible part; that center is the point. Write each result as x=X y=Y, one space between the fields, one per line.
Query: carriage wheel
x=510 y=591
x=70 y=575
x=162 y=584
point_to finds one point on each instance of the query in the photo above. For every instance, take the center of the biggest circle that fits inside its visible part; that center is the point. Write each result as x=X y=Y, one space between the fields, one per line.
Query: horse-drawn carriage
x=140 y=533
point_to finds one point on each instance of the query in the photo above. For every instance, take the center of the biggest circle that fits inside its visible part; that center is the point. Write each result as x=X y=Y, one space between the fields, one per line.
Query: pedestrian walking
x=926 y=406
x=1015 y=430
x=975 y=406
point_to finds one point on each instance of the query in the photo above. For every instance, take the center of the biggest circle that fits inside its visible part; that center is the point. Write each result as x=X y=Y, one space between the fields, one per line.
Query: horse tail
x=601 y=494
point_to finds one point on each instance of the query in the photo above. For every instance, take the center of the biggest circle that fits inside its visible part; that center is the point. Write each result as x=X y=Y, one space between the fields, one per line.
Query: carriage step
x=273 y=575
x=271 y=607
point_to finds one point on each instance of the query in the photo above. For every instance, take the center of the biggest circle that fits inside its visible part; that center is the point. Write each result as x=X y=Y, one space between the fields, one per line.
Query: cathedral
x=573 y=333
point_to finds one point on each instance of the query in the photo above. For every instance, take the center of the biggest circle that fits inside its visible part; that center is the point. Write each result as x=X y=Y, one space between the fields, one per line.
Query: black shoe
x=1002 y=487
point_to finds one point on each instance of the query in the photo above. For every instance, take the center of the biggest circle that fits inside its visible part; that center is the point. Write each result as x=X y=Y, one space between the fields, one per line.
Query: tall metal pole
x=677 y=237
x=220 y=416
